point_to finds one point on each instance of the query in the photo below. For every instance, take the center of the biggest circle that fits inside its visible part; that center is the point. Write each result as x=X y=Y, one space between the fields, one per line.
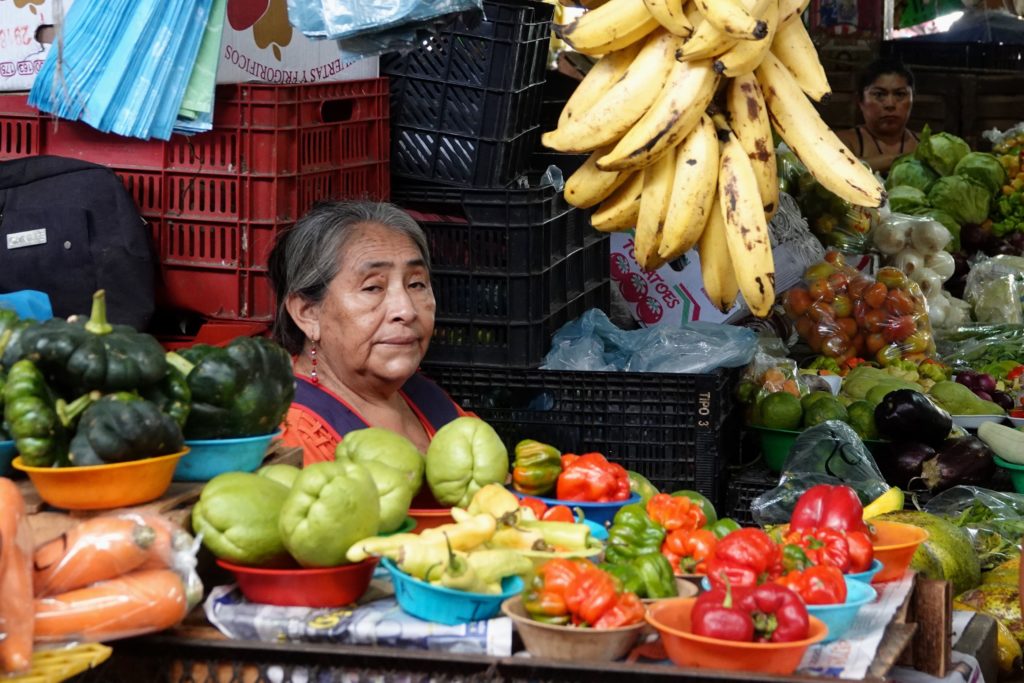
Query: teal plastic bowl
x=866 y=576
x=598 y=532
x=7 y=453
x=445 y=605
x=600 y=513
x=839 y=618
x=1016 y=473
x=210 y=457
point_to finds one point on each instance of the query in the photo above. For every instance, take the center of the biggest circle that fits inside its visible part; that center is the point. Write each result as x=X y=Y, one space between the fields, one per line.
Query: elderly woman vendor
x=356 y=311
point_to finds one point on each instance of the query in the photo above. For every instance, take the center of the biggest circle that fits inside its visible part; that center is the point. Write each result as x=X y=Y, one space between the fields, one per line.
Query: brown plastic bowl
x=672 y=620
x=568 y=643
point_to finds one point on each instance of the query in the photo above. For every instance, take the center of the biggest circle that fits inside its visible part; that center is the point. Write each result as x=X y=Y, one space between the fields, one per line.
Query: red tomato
x=875 y=320
x=898 y=302
x=898 y=329
x=821 y=290
x=875 y=295
x=848 y=326
x=797 y=301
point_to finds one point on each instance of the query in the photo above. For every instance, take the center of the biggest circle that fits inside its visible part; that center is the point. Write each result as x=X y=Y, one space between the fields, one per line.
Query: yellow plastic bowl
x=102 y=487
x=895 y=544
x=671 y=618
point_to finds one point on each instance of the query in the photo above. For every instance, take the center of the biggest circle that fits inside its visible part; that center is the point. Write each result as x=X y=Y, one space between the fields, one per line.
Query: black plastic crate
x=506 y=50
x=982 y=56
x=421 y=153
x=469 y=293
x=677 y=430
x=502 y=343
x=508 y=230
x=744 y=485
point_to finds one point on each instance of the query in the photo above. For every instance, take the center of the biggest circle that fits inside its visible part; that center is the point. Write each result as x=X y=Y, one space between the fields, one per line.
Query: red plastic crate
x=217 y=200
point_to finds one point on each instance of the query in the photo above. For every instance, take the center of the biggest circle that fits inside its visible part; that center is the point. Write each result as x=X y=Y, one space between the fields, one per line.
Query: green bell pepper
x=37 y=421
x=627 y=576
x=640 y=485
x=536 y=468
x=723 y=527
x=80 y=355
x=633 y=533
x=242 y=389
x=656 y=574
x=122 y=427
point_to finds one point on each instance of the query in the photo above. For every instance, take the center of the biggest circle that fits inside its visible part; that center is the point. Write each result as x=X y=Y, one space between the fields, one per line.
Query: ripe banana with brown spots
x=748 y=118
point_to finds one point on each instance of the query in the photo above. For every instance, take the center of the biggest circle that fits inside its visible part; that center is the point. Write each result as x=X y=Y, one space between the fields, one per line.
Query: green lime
x=810 y=399
x=862 y=419
x=823 y=410
x=781 y=410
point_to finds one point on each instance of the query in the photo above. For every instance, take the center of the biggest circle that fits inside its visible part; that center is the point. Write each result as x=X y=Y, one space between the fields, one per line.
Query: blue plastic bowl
x=445 y=605
x=601 y=513
x=7 y=453
x=839 y=618
x=598 y=532
x=210 y=457
x=866 y=576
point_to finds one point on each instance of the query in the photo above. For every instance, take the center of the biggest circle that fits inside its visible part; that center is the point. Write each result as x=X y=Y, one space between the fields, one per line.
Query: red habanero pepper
x=828 y=507
x=819 y=585
x=627 y=610
x=590 y=595
x=716 y=615
x=822 y=546
x=1015 y=373
x=779 y=614
x=675 y=512
x=545 y=600
x=746 y=557
x=862 y=551
x=538 y=507
x=590 y=477
x=688 y=551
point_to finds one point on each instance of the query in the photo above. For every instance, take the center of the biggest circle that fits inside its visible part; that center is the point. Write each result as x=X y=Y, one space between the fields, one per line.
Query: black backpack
x=69 y=227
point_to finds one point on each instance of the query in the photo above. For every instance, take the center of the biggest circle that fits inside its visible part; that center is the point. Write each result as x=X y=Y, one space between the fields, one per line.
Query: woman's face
x=378 y=315
x=886 y=104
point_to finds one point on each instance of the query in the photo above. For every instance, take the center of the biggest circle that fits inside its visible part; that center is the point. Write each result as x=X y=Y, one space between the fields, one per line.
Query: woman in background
x=886 y=96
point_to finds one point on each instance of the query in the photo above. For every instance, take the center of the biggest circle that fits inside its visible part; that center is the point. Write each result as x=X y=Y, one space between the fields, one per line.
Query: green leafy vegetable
x=941 y=151
x=963 y=198
x=904 y=198
x=984 y=169
x=907 y=170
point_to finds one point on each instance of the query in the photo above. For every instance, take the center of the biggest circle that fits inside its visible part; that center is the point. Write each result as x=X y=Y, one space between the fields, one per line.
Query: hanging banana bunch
x=677 y=116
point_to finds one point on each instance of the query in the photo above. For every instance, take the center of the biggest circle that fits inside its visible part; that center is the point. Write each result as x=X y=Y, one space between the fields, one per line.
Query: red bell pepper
x=746 y=558
x=577 y=591
x=862 y=551
x=716 y=615
x=591 y=478
x=627 y=610
x=688 y=551
x=538 y=507
x=675 y=512
x=1015 y=373
x=828 y=507
x=559 y=513
x=821 y=546
x=779 y=614
x=820 y=585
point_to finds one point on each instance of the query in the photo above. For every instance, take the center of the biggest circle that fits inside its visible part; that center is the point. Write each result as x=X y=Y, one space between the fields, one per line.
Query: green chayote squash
x=237 y=515
x=331 y=506
x=465 y=455
x=384 y=446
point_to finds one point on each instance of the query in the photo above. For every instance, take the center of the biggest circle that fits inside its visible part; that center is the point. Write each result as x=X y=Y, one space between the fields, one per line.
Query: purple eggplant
x=900 y=461
x=967 y=461
x=907 y=413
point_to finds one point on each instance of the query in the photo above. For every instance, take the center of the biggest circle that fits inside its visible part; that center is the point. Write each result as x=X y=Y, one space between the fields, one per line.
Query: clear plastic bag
x=828 y=453
x=994 y=520
x=836 y=222
x=593 y=342
x=844 y=314
x=995 y=290
x=115 y=576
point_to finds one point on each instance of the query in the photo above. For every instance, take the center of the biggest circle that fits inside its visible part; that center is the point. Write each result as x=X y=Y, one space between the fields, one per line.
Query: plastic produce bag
x=114 y=576
x=593 y=342
x=994 y=520
x=828 y=453
x=978 y=344
x=995 y=290
x=836 y=223
x=844 y=314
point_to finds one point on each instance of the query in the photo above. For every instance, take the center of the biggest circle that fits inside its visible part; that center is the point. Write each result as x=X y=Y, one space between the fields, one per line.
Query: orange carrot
x=94 y=550
x=16 y=612
x=133 y=604
x=168 y=539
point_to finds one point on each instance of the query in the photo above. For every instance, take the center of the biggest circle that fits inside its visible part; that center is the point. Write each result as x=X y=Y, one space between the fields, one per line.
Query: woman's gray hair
x=305 y=259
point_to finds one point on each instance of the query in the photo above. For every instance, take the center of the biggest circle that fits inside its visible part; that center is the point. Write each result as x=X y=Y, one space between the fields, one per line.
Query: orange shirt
x=304 y=428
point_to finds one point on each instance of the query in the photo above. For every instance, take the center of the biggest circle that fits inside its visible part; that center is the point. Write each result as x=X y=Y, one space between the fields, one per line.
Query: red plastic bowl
x=302 y=587
x=427 y=512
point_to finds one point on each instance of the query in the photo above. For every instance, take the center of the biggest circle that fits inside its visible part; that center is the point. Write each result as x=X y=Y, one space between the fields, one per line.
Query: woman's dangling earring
x=312 y=360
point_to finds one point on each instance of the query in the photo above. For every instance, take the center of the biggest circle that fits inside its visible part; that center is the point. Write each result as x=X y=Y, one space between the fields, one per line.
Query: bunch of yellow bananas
x=678 y=115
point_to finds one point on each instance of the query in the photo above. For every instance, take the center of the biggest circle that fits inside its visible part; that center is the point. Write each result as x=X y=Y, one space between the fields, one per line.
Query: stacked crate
x=512 y=262
x=216 y=201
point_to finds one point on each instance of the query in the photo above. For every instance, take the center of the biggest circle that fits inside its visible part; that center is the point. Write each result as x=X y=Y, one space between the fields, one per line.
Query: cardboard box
x=259 y=45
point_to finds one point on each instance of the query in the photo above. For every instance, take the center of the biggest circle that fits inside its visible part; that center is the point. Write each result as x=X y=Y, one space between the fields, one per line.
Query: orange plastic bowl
x=102 y=487
x=671 y=618
x=304 y=587
x=895 y=545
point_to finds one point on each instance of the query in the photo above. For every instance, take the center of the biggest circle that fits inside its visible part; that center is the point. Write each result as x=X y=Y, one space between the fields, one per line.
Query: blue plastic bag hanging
x=29 y=304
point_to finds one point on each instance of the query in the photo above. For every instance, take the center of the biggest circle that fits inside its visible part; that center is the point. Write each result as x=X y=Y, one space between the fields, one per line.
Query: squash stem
x=69 y=412
x=97 y=323
x=179 y=362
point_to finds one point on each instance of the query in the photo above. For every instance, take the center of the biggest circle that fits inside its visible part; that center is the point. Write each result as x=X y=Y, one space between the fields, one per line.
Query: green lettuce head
x=962 y=198
x=910 y=172
x=941 y=151
x=904 y=199
x=983 y=168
